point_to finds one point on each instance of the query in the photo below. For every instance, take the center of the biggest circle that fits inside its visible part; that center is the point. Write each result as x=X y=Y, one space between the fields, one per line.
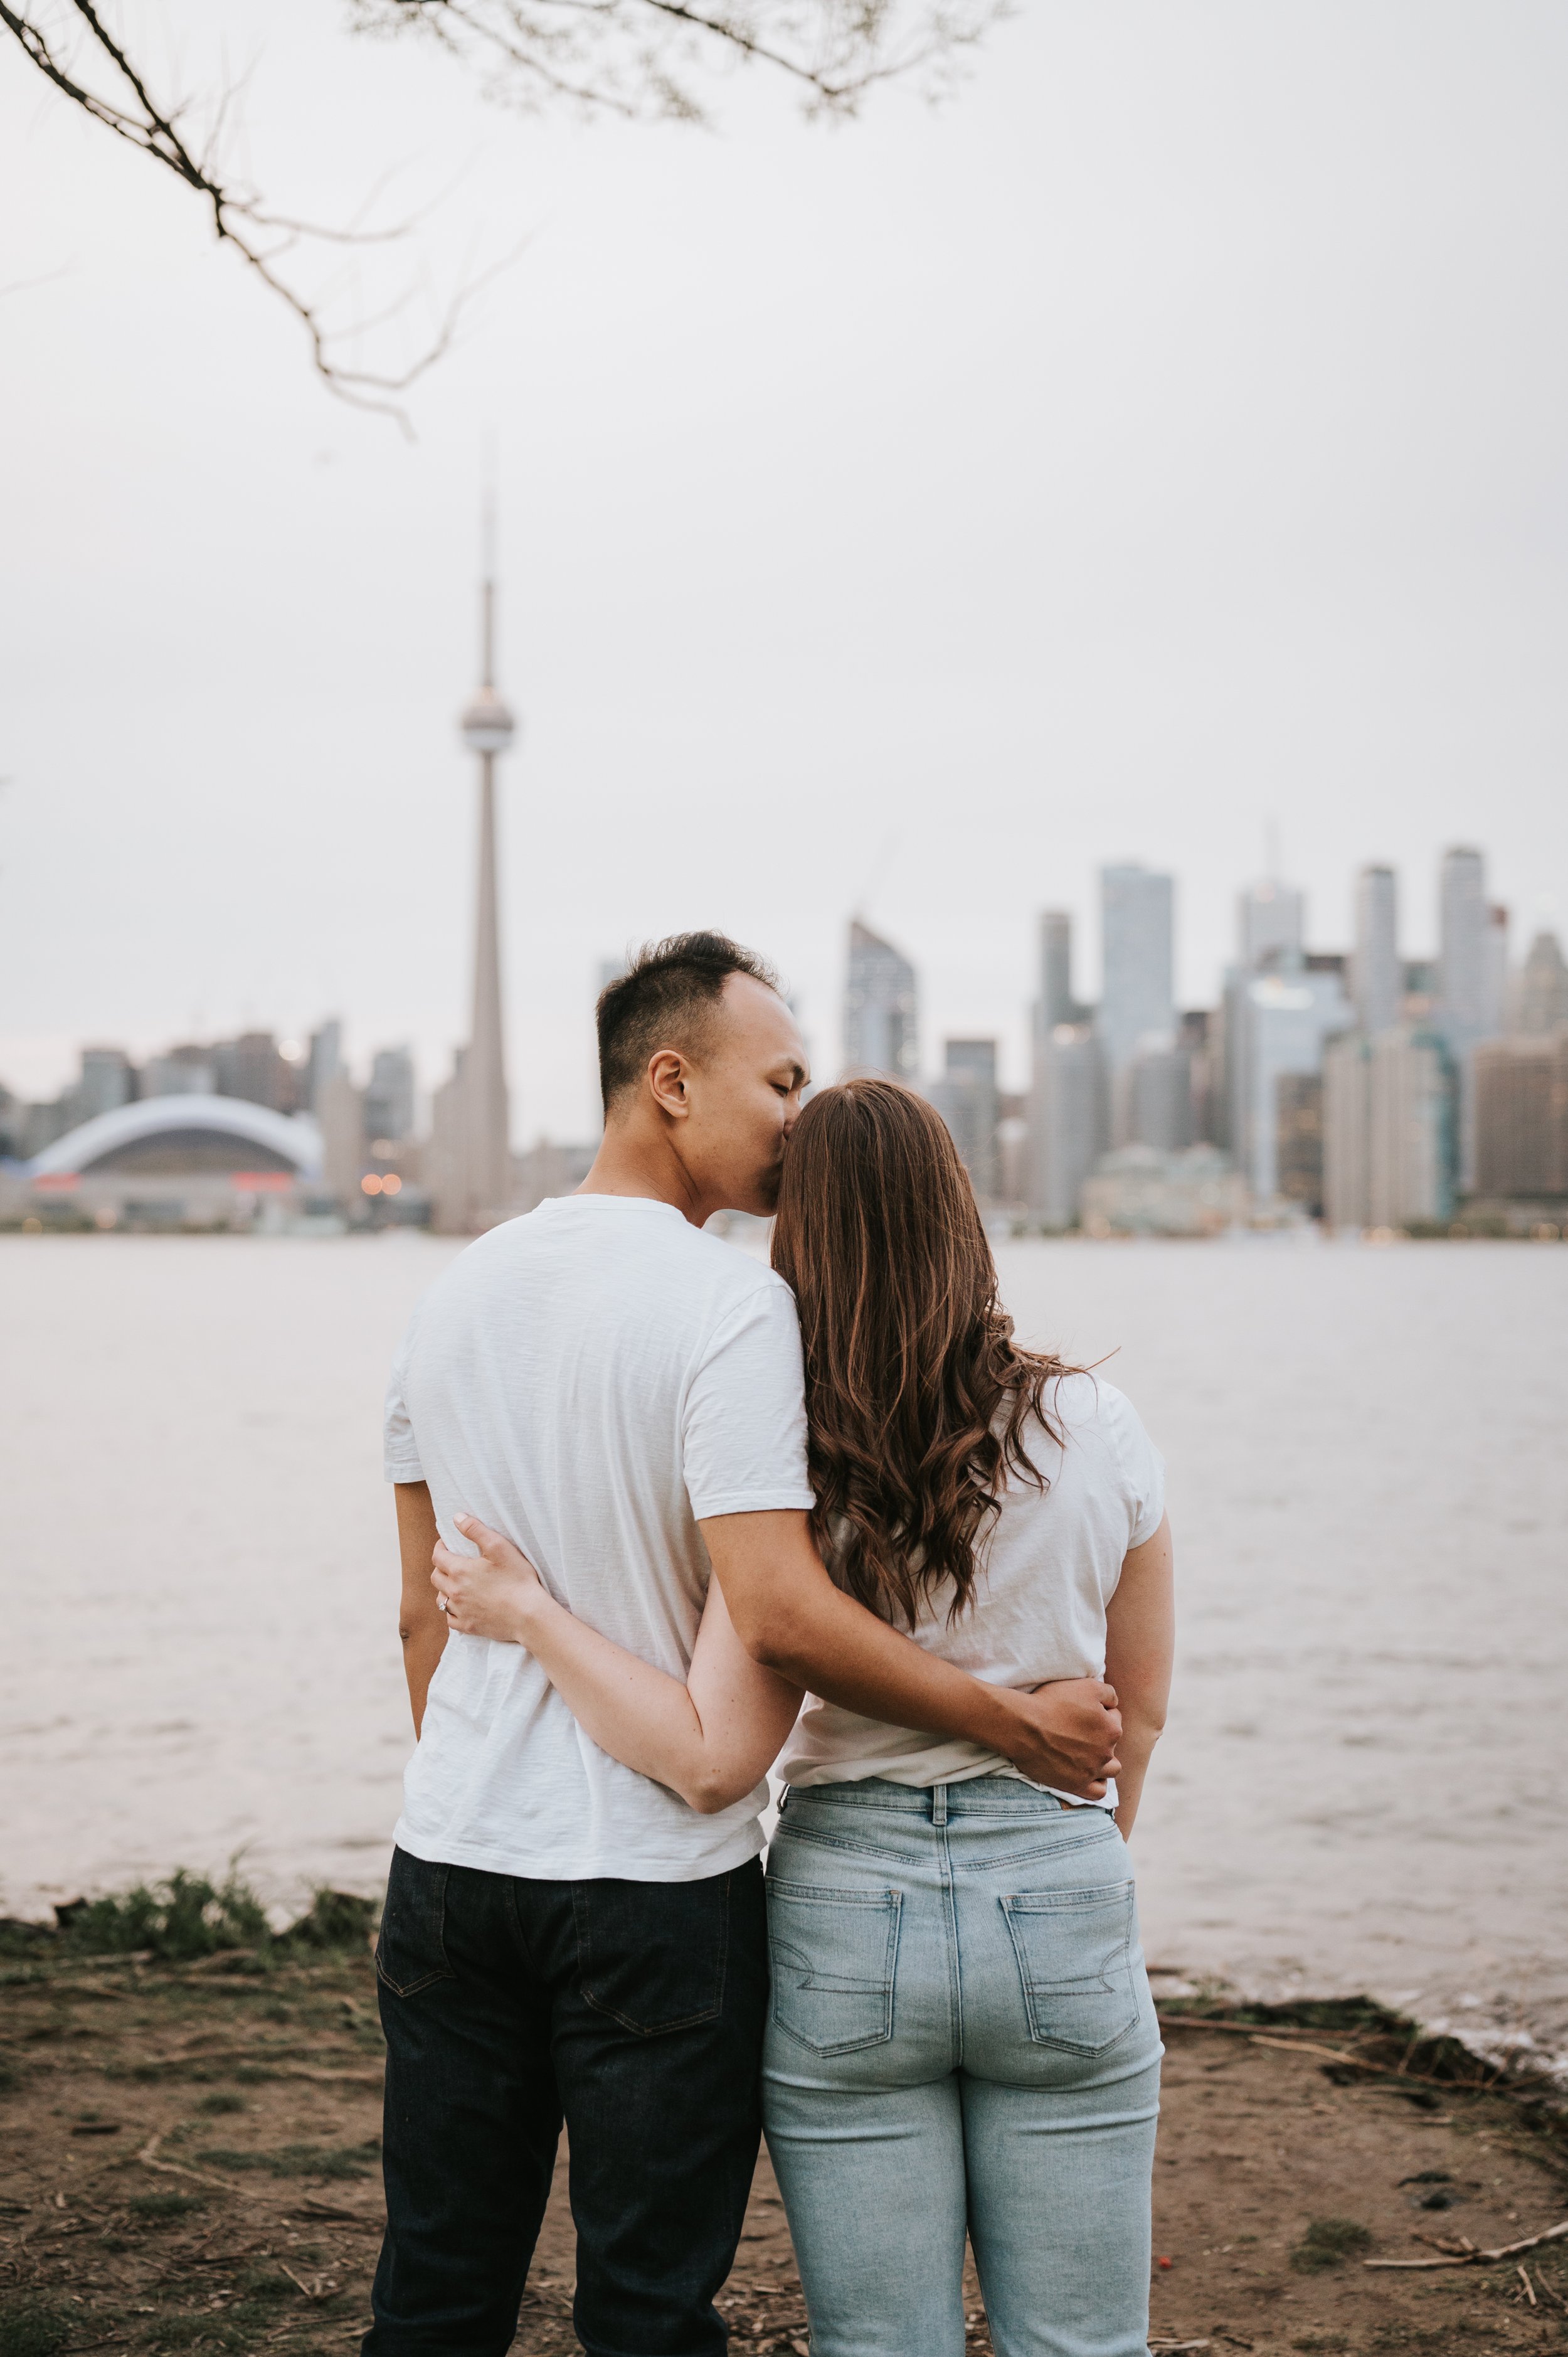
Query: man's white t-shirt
x=593 y=1380
x=1048 y=1569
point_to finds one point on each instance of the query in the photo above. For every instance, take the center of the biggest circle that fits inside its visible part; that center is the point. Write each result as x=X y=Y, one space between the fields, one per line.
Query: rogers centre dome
x=185 y=1138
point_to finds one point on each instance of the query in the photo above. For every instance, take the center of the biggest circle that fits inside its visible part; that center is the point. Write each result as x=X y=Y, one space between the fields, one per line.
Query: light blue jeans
x=960 y=2038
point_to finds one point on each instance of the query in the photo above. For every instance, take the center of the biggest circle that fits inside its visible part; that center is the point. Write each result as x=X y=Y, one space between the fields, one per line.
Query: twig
x=1282 y=2031
x=147 y=2157
x=1477 y=2258
x=1335 y=2053
x=1529 y=2287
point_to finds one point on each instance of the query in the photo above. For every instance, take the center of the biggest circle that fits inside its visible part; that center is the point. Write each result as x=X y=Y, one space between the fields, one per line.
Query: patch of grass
x=221 y=2102
x=33 y=2328
x=180 y=1919
x=1329 y=2242
x=298 y=2159
x=335 y=1919
x=267 y=2282
x=160 y=2209
x=22 y=1938
x=180 y=2331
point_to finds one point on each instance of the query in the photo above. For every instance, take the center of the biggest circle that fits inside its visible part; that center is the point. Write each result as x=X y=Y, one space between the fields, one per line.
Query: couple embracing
x=668 y=1519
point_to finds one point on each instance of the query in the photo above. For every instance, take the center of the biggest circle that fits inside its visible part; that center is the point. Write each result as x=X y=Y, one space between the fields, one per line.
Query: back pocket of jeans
x=1075 y=1960
x=411 y=1947
x=834 y=1954
x=653 y=1956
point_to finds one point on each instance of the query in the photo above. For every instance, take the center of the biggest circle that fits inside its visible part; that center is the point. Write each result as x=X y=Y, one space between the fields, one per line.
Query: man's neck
x=630 y=1163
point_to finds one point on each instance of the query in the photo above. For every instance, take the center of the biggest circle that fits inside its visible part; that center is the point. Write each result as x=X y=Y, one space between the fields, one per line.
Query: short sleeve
x=743 y=1431
x=1143 y=1467
x=400 y=1453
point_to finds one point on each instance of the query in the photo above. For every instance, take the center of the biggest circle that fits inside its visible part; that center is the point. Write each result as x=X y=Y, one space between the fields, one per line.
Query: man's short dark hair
x=665 y=999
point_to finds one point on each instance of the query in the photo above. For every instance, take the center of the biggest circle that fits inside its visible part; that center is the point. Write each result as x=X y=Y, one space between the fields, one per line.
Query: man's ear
x=669 y=1077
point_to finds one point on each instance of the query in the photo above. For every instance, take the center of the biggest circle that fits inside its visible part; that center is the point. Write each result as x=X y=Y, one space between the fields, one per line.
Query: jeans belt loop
x=938 y=1804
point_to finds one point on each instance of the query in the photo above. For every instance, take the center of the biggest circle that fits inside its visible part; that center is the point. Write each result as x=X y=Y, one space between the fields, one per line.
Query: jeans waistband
x=977 y=1796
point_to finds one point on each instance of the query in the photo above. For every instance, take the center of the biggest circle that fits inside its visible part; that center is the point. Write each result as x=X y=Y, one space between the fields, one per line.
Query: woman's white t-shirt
x=1048 y=1571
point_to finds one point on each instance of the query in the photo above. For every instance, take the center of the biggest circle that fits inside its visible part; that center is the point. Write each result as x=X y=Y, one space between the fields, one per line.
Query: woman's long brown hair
x=917 y=1395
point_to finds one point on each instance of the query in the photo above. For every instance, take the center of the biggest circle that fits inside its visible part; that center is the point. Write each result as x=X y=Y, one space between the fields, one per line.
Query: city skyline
x=1492 y=971
x=1371 y=1091
x=1057 y=938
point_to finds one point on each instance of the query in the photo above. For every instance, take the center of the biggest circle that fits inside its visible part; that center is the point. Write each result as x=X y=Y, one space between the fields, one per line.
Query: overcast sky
x=1162 y=439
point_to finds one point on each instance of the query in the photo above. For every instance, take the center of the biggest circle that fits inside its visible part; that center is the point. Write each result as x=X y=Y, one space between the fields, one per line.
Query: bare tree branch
x=261 y=238
x=632 y=58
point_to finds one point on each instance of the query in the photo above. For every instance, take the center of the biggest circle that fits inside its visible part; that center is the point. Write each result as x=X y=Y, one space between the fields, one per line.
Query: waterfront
x=1361 y=1787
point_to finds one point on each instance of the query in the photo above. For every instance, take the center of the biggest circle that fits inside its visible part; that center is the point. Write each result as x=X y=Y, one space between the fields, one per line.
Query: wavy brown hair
x=917 y=1395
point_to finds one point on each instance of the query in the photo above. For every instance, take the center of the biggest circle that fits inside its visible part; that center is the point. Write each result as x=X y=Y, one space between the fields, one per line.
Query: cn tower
x=488 y=728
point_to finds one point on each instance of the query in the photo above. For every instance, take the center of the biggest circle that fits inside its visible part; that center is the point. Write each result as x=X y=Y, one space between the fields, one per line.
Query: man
x=562 y=1938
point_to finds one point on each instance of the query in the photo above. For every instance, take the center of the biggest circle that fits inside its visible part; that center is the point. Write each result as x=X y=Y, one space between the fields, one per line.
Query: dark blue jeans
x=632 y=2010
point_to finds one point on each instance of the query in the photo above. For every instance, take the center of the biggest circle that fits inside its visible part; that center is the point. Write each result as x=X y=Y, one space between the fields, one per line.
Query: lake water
x=1363 y=1784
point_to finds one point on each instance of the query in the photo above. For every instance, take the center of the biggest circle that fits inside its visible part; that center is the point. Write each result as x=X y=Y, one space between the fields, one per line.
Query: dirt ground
x=189 y=2161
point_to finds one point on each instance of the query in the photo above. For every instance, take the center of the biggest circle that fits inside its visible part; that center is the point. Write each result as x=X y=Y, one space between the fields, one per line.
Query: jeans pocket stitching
x=891 y=1903
x=649 y=2028
x=441 y=1972
x=1115 y=1973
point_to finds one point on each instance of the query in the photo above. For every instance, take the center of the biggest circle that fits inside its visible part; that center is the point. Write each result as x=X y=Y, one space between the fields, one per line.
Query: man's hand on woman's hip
x=1065 y=1734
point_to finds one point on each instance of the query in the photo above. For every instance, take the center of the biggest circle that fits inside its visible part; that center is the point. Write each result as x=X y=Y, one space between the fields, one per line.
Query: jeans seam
x=955 y=1979
x=1063 y=1848
x=855 y=1849
x=523 y=1942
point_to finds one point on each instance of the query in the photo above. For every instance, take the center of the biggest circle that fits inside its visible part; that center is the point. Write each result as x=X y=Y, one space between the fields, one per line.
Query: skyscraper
x=881 y=1014
x=1521 y=1089
x=1541 y=988
x=1386 y=1112
x=1276 y=1022
x=389 y=1099
x=1469 y=981
x=471 y=1156
x=326 y=1056
x=1067 y=1120
x=108 y=1079
x=1270 y=919
x=1463 y=983
x=966 y=1098
x=1057 y=1002
x=1159 y=1094
x=1137 y=1000
x=1495 y=1000
x=1377 y=976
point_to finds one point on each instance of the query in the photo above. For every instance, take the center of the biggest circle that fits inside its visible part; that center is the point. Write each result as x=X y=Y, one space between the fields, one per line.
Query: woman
x=962 y=2039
